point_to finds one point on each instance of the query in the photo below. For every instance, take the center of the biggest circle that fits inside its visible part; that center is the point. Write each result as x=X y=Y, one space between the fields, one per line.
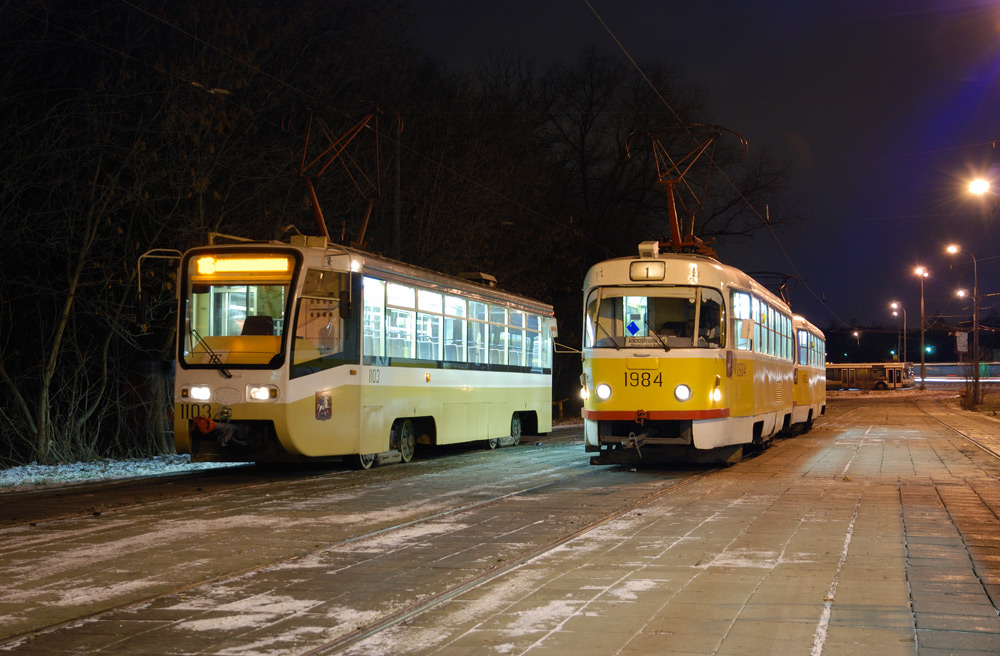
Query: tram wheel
x=515 y=429
x=364 y=460
x=407 y=441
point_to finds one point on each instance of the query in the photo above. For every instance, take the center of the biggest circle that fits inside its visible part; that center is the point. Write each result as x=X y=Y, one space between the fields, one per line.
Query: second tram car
x=686 y=358
x=310 y=350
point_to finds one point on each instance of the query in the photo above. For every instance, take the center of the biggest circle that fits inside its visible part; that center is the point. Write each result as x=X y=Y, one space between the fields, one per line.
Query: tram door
x=850 y=378
x=894 y=378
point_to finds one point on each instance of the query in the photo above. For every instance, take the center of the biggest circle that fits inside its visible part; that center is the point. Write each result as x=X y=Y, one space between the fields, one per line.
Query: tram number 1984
x=643 y=379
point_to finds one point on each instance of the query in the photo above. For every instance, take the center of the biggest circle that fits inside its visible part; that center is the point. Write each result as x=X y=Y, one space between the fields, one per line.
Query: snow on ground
x=34 y=476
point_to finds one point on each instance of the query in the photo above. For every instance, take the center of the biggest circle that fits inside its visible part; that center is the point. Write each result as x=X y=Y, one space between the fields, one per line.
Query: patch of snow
x=35 y=475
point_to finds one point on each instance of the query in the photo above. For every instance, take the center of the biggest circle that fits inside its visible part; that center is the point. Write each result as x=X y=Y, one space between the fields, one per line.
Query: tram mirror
x=345 y=295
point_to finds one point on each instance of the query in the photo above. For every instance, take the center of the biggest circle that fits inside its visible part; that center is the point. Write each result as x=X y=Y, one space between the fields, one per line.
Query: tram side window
x=533 y=342
x=400 y=321
x=430 y=307
x=804 y=355
x=454 y=329
x=516 y=341
x=741 y=315
x=498 y=334
x=477 y=332
x=373 y=317
x=322 y=338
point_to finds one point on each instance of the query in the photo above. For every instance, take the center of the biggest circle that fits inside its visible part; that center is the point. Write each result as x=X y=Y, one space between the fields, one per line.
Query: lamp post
x=921 y=272
x=954 y=249
x=896 y=309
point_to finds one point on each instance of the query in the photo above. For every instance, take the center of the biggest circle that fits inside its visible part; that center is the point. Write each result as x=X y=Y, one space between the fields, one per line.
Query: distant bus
x=869 y=375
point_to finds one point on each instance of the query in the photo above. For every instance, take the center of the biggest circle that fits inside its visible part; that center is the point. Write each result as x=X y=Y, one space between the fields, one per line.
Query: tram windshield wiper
x=655 y=334
x=213 y=357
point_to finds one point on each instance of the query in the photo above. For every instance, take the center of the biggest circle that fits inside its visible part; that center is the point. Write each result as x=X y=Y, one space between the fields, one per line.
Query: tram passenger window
x=741 y=314
x=373 y=317
x=428 y=336
x=429 y=306
x=533 y=342
x=515 y=349
x=498 y=335
x=399 y=333
x=454 y=329
x=477 y=342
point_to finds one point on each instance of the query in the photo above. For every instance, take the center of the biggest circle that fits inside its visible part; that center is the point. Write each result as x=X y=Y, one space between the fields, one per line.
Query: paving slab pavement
x=875 y=533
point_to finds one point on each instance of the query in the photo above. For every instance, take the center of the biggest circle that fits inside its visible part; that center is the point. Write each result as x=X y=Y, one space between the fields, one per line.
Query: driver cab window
x=323 y=338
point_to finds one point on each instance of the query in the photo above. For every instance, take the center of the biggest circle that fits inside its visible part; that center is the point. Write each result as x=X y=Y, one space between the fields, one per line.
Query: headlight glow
x=716 y=395
x=682 y=392
x=584 y=393
x=201 y=392
x=262 y=392
x=603 y=391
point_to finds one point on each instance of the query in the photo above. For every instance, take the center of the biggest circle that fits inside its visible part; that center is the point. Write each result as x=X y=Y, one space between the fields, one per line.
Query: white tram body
x=687 y=358
x=310 y=350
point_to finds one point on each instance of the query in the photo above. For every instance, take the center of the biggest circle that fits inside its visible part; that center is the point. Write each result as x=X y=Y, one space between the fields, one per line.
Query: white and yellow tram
x=687 y=358
x=310 y=350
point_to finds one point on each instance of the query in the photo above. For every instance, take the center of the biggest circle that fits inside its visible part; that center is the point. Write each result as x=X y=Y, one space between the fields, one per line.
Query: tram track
x=572 y=475
x=991 y=447
x=403 y=614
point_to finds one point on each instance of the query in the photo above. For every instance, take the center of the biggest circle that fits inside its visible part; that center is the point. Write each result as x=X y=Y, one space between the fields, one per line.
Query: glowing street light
x=896 y=309
x=979 y=186
x=921 y=272
x=954 y=249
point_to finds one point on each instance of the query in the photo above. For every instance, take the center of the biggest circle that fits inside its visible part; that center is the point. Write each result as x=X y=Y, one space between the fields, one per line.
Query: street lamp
x=896 y=309
x=979 y=186
x=954 y=249
x=921 y=272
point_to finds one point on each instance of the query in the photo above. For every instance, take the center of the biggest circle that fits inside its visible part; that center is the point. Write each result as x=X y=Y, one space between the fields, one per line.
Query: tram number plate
x=643 y=379
x=192 y=410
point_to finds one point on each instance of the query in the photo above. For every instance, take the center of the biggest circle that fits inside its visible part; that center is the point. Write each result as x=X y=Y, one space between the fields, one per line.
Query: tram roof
x=397 y=271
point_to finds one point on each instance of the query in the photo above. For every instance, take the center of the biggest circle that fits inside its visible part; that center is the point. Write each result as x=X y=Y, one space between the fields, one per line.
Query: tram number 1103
x=643 y=379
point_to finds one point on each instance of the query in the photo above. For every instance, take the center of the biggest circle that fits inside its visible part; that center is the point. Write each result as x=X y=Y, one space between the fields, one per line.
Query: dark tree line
x=129 y=126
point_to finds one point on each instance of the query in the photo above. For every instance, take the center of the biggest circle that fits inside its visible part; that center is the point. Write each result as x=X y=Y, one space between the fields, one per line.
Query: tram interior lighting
x=682 y=392
x=603 y=391
x=208 y=265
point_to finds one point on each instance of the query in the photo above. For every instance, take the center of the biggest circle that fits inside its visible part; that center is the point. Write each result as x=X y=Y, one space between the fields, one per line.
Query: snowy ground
x=33 y=476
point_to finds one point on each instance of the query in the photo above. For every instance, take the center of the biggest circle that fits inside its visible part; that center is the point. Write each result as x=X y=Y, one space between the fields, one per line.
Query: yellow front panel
x=652 y=387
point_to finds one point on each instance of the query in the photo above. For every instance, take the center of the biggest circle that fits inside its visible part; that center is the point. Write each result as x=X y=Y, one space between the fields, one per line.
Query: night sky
x=883 y=109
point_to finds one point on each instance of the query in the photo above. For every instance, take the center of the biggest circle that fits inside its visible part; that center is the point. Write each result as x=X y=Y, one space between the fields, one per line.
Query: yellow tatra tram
x=310 y=350
x=686 y=358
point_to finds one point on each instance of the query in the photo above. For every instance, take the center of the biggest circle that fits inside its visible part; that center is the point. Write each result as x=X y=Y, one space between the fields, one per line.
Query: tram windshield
x=667 y=317
x=234 y=309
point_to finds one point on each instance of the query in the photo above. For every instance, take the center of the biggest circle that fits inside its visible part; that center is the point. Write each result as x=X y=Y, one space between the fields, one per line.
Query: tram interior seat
x=673 y=329
x=258 y=325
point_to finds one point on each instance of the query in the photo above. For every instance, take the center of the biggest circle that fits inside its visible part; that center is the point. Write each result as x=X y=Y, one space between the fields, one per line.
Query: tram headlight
x=682 y=392
x=603 y=391
x=584 y=393
x=200 y=392
x=262 y=392
x=716 y=395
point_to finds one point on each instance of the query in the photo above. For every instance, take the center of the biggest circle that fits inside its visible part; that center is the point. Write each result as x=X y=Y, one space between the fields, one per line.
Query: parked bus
x=869 y=375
